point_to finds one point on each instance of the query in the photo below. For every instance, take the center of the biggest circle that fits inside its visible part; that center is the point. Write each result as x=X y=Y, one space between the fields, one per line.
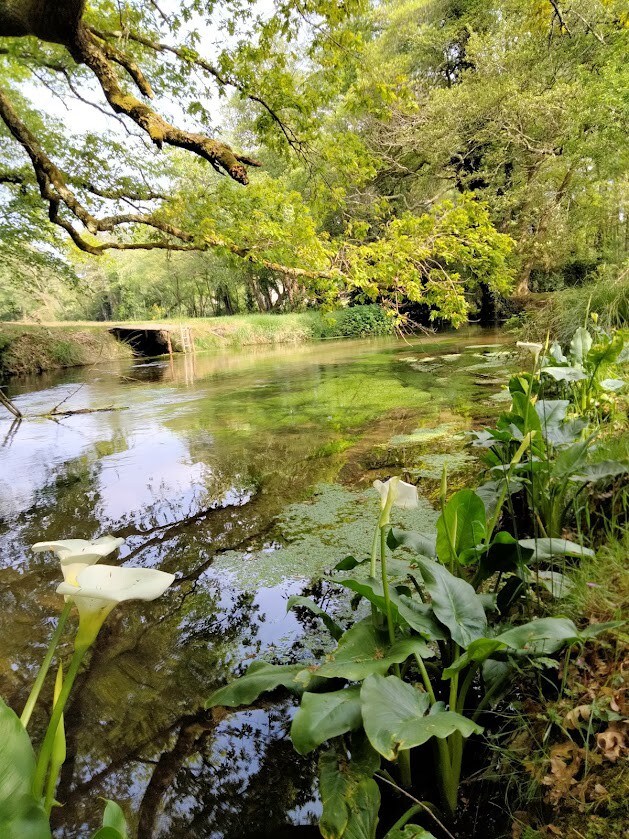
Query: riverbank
x=29 y=348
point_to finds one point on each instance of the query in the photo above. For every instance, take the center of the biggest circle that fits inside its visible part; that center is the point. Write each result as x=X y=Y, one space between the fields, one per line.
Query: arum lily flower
x=77 y=554
x=98 y=588
x=395 y=493
x=534 y=349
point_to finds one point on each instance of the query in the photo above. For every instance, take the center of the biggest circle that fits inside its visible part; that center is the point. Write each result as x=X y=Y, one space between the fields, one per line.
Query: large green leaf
x=544 y=636
x=322 y=716
x=461 y=526
x=397 y=716
x=569 y=460
x=606 y=352
x=306 y=603
x=405 y=610
x=548 y=548
x=420 y=543
x=580 y=345
x=565 y=374
x=114 y=817
x=350 y=798
x=454 y=602
x=21 y=816
x=613 y=384
x=261 y=677
x=551 y=411
x=363 y=650
x=602 y=469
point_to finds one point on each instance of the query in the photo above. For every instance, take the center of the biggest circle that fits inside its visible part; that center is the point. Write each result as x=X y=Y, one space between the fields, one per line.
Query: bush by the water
x=355 y=322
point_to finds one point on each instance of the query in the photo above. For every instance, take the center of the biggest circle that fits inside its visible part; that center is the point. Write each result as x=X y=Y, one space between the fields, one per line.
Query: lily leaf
x=21 y=816
x=548 y=548
x=364 y=650
x=580 y=345
x=397 y=716
x=454 y=602
x=603 y=469
x=350 y=797
x=559 y=585
x=261 y=677
x=504 y=554
x=551 y=411
x=114 y=817
x=541 y=637
x=565 y=374
x=420 y=543
x=613 y=384
x=461 y=526
x=404 y=609
x=322 y=716
x=307 y=603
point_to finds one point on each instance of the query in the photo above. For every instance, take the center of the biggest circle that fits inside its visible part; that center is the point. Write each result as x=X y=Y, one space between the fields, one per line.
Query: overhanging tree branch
x=53 y=186
x=189 y=56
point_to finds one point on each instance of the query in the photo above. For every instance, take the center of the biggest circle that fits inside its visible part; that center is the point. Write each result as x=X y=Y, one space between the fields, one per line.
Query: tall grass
x=563 y=311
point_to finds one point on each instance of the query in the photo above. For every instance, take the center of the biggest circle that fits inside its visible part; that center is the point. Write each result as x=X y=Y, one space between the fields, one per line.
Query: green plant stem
x=51 y=783
x=385 y=584
x=444 y=764
x=47 y=746
x=404 y=757
x=374 y=551
x=45 y=665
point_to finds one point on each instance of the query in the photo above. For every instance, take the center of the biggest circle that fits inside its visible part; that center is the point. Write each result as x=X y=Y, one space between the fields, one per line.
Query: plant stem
x=45 y=665
x=374 y=551
x=47 y=746
x=385 y=584
x=404 y=757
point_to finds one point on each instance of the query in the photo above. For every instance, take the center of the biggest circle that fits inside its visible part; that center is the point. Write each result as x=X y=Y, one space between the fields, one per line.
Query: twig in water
x=11 y=408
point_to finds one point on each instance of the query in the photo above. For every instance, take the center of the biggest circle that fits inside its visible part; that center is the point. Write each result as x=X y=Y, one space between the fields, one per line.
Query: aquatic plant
x=27 y=784
x=402 y=676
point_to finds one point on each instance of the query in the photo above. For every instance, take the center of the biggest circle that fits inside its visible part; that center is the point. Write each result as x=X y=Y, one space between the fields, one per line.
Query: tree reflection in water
x=192 y=469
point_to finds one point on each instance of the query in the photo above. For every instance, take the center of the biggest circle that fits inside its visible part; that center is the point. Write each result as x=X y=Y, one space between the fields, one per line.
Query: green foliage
x=433 y=259
x=21 y=815
x=355 y=322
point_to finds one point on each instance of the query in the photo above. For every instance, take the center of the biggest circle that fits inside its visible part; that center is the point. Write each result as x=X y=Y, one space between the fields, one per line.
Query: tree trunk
x=56 y=21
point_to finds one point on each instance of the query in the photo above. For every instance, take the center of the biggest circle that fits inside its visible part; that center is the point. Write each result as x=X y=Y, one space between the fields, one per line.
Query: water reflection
x=197 y=460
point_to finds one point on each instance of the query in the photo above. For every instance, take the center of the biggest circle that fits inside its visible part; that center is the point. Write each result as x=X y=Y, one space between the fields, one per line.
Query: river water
x=247 y=475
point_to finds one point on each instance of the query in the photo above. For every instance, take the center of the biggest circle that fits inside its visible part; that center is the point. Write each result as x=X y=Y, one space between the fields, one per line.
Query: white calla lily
x=76 y=554
x=534 y=349
x=395 y=493
x=98 y=588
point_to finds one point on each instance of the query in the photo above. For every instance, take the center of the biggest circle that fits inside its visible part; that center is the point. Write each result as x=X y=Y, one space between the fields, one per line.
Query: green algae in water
x=422 y=435
x=431 y=466
x=338 y=522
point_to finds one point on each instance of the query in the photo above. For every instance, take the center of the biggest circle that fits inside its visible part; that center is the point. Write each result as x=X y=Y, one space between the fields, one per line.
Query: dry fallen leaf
x=613 y=741
x=574 y=717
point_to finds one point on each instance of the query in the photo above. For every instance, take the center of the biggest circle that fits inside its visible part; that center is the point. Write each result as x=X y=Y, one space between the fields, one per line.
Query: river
x=247 y=475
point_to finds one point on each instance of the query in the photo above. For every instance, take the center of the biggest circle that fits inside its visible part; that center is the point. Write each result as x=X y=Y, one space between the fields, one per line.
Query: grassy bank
x=25 y=348
x=559 y=313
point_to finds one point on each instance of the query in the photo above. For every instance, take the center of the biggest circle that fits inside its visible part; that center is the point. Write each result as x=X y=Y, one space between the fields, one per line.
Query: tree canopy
x=413 y=152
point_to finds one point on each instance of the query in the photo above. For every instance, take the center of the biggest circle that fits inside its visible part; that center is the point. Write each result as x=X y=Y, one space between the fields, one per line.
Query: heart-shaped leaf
x=455 y=603
x=322 y=716
x=397 y=716
x=261 y=677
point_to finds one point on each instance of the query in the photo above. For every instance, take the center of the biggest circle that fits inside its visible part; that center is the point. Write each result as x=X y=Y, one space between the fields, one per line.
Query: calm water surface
x=246 y=475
